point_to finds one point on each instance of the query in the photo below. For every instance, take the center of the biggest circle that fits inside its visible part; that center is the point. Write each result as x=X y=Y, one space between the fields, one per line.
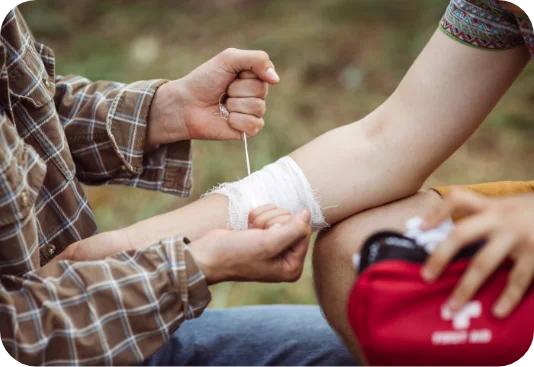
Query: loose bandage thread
x=223 y=112
x=282 y=183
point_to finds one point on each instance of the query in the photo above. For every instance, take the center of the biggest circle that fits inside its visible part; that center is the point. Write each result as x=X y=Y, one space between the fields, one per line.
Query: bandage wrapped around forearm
x=281 y=183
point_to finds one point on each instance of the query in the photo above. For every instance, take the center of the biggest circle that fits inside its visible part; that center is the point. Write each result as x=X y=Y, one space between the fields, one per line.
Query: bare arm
x=447 y=93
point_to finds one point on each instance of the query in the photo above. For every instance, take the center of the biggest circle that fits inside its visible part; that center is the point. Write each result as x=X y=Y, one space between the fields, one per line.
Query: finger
x=482 y=266
x=518 y=283
x=247 y=75
x=256 y=212
x=279 y=239
x=262 y=220
x=258 y=62
x=243 y=88
x=245 y=123
x=462 y=235
x=301 y=249
x=292 y=262
x=457 y=202
x=277 y=221
x=250 y=75
x=248 y=106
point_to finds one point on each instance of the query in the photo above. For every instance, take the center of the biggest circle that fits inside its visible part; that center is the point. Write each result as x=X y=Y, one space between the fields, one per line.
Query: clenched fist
x=188 y=108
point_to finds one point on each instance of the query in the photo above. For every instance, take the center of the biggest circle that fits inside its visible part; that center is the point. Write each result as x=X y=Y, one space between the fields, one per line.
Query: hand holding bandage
x=266 y=255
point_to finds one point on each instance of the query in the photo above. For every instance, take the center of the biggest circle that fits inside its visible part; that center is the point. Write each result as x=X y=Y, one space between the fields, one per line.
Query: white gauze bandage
x=281 y=183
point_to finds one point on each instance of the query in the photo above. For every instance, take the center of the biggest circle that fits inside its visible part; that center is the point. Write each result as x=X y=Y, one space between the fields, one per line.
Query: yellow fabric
x=491 y=189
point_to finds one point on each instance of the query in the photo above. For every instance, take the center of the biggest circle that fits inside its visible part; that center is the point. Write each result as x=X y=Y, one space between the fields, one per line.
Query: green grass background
x=338 y=60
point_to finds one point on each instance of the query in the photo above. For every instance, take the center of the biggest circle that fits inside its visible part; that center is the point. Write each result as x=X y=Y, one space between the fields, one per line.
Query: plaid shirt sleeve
x=22 y=173
x=118 y=311
x=106 y=123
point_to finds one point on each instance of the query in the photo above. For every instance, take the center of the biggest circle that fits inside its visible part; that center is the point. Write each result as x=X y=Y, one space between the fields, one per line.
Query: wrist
x=166 y=118
x=206 y=263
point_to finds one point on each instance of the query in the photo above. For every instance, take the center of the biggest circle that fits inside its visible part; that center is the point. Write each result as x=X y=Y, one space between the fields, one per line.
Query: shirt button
x=126 y=170
x=24 y=198
x=47 y=82
x=51 y=250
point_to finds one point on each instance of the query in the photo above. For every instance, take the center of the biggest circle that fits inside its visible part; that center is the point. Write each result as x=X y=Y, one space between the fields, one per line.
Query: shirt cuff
x=167 y=169
x=187 y=276
x=126 y=122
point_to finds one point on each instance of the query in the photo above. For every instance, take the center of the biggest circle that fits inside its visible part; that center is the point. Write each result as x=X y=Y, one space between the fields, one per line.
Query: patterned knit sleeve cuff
x=482 y=24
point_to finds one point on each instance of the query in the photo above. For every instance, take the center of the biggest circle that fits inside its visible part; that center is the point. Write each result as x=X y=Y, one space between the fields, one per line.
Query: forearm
x=192 y=221
x=350 y=168
x=390 y=153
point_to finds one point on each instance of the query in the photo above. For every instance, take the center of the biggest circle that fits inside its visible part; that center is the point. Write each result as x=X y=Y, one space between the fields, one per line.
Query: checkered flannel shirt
x=55 y=133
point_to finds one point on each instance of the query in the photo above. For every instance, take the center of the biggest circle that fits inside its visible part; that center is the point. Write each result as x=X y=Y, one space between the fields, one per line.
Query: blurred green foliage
x=338 y=60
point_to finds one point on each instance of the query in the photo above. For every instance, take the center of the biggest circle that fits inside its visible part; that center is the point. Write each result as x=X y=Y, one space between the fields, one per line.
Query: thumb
x=258 y=62
x=457 y=204
x=281 y=238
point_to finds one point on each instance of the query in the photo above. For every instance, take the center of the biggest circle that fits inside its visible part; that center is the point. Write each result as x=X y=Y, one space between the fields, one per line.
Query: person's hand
x=506 y=225
x=188 y=108
x=267 y=216
x=270 y=255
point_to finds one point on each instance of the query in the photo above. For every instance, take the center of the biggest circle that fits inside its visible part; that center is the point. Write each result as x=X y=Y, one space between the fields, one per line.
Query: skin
x=506 y=225
x=187 y=108
x=273 y=254
x=443 y=98
x=262 y=255
x=398 y=140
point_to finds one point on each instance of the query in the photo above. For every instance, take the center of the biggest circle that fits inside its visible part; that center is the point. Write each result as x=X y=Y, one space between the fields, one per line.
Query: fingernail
x=425 y=224
x=427 y=275
x=276 y=225
x=500 y=310
x=305 y=215
x=453 y=305
x=271 y=74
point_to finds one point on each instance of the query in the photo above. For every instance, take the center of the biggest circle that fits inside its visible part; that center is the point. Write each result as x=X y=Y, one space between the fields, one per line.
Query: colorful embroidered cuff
x=481 y=24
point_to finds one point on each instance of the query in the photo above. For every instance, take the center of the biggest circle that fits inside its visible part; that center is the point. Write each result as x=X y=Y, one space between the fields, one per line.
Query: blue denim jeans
x=255 y=336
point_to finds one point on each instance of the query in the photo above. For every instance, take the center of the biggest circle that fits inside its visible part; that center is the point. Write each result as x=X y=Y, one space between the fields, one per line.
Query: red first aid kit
x=400 y=320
